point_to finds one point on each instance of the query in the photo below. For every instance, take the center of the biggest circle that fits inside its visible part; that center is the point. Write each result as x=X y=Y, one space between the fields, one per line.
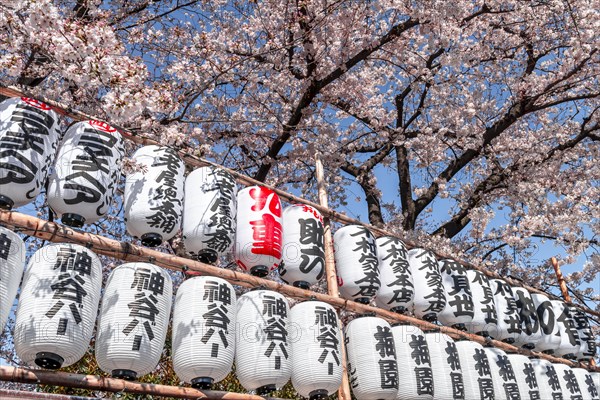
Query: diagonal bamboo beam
x=187 y=154
x=105 y=384
x=125 y=251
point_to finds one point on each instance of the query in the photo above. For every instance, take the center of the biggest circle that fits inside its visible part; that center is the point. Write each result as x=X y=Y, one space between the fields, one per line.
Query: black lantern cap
x=318 y=394
x=125 y=374
x=208 y=256
x=203 y=383
x=74 y=220
x=265 y=390
x=49 y=360
x=151 y=239
x=302 y=285
x=6 y=203
x=259 y=270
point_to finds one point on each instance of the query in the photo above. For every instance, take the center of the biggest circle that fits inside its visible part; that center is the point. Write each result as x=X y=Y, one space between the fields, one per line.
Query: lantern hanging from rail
x=569 y=337
x=505 y=381
x=57 y=309
x=459 y=305
x=29 y=136
x=550 y=339
x=445 y=363
x=568 y=382
x=475 y=367
x=134 y=318
x=259 y=236
x=12 y=264
x=485 y=319
x=547 y=378
x=396 y=291
x=430 y=299
x=315 y=352
x=209 y=213
x=596 y=379
x=526 y=377
x=586 y=384
x=356 y=263
x=203 y=340
x=415 y=375
x=303 y=256
x=509 y=321
x=372 y=366
x=531 y=332
x=86 y=172
x=153 y=200
x=587 y=348
x=262 y=355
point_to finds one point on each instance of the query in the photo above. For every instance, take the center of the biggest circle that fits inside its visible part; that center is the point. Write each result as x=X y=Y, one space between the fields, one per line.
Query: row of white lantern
x=402 y=362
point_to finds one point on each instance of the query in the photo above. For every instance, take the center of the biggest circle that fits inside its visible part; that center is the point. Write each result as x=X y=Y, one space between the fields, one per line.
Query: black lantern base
x=431 y=317
x=302 y=285
x=49 y=360
x=550 y=352
x=266 y=389
x=125 y=374
x=74 y=220
x=6 y=203
x=529 y=346
x=398 y=310
x=208 y=256
x=400 y=324
x=569 y=356
x=259 y=270
x=485 y=334
x=460 y=327
x=151 y=239
x=318 y=394
x=363 y=300
x=202 y=383
x=509 y=340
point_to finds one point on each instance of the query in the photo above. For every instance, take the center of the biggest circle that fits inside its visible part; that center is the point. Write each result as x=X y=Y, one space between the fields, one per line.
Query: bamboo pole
x=22 y=394
x=125 y=251
x=561 y=280
x=187 y=154
x=105 y=384
x=332 y=282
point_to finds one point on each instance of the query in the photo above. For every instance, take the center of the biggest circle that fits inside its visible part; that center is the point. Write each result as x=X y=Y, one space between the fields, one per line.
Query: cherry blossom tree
x=489 y=109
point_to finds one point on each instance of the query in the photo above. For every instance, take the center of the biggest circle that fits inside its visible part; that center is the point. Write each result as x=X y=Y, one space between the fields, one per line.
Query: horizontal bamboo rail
x=54 y=232
x=190 y=159
x=95 y=382
x=22 y=394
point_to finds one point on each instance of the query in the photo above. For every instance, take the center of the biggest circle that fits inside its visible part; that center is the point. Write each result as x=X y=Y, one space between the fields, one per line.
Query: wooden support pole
x=561 y=280
x=95 y=382
x=188 y=155
x=22 y=394
x=332 y=282
x=125 y=251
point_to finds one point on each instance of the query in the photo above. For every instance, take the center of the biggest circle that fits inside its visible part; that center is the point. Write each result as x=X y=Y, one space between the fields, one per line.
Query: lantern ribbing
x=187 y=154
x=128 y=252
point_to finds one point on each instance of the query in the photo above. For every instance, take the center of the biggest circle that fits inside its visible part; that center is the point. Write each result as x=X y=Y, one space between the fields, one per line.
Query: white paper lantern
x=547 y=378
x=587 y=349
x=596 y=379
x=526 y=377
x=568 y=382
x=447 y=375
x=209 y=213
x=415 y=375
x=547 y=318
x=153 y=198
x=397 y=290
x=430 y=299
x=586 y=384
x=57 y=309
x=485 y=319
x=503 y=373
x=531 y=332
x=372 y=366
x=86 y=172
x=262 y=355
x=12 y=264
x=459 y=305
x=316 y=350
x=203 y=339
x=509 y=322
x=303 y=262
x=29 y=135
x=356 y=263
x=259 y=234
x=476 y=371
x=133 y=321
x=569 y=337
